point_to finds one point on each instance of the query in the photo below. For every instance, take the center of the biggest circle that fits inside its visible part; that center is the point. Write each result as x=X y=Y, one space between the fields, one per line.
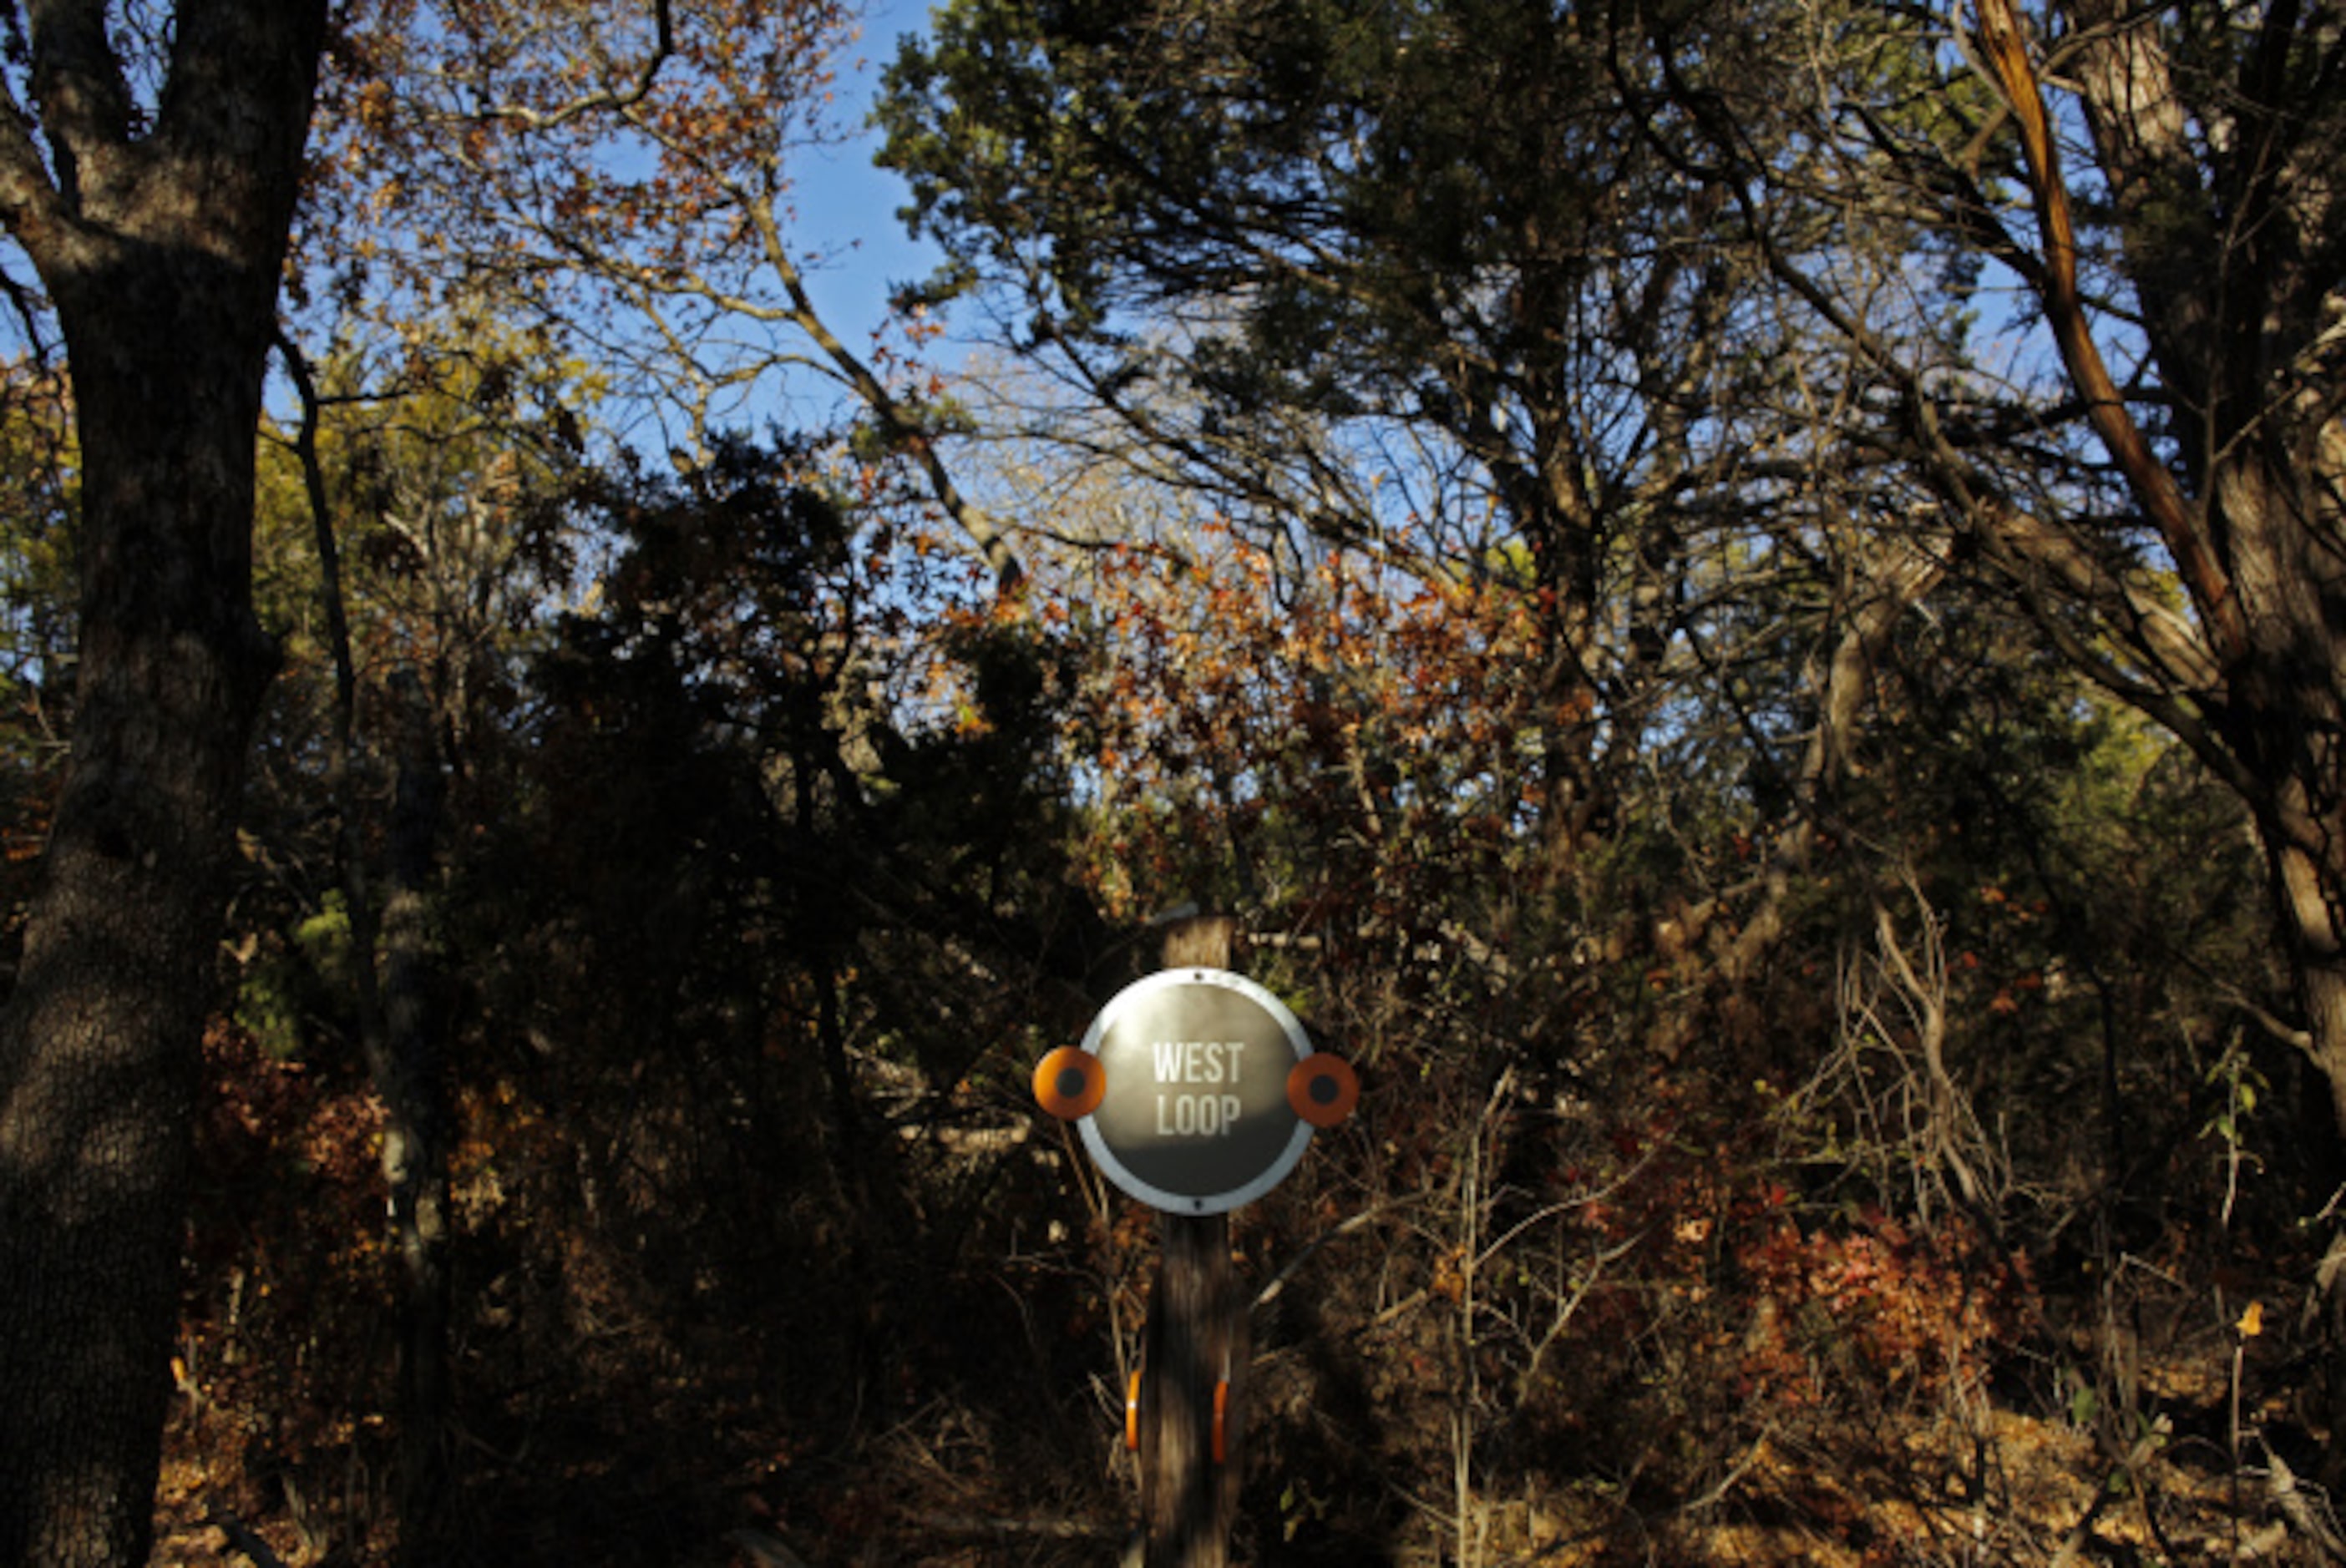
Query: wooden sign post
x=1196 y=1090
x=1195 y=1347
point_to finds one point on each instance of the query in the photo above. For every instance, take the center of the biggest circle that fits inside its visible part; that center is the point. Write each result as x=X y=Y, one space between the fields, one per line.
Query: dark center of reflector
x=1071 y=1082
x=1324 y=1091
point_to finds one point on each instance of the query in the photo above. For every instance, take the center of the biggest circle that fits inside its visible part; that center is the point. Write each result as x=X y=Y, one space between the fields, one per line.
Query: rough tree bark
x=158 y=233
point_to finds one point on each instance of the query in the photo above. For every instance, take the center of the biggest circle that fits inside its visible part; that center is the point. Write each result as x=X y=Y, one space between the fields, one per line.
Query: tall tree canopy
x=2159 y=467
x=1401 y=274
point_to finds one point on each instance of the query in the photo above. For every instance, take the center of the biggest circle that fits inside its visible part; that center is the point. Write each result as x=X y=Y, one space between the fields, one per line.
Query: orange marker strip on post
x=1132 y=1413
x=1221 y=1421
x=1322 y=1089
x=1070 y=1083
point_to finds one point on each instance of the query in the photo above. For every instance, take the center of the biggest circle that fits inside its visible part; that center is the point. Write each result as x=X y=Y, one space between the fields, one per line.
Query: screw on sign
x=1196 y=1090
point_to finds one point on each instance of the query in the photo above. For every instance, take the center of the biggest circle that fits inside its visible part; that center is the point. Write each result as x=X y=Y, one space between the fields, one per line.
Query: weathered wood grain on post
x=1197 y=1338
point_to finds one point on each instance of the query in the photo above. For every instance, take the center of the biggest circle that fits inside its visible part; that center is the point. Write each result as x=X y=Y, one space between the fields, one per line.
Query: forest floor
x=2198 y=1460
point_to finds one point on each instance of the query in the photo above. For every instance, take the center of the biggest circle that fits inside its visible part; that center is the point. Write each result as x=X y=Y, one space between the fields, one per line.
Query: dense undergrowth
x=1738 y=1191
x=1629 y=1309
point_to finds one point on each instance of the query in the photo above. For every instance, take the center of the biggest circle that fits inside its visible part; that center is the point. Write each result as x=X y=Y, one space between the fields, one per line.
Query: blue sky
x=847 y=207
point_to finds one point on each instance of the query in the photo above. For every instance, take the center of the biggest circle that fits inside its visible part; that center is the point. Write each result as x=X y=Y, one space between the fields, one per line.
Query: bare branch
x=900 y=423
x=2153 y=486
x=83 y=102
x=611 y=100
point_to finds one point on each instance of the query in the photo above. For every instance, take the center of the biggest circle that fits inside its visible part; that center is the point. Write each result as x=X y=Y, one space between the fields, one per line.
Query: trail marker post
x=1195 y=1090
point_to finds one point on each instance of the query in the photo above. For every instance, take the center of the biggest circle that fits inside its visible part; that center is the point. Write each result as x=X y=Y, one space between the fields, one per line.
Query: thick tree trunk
x=159 y=238
x=99 y=1047
x=2323 y=984
x=2310 y=931
x=2288 y=727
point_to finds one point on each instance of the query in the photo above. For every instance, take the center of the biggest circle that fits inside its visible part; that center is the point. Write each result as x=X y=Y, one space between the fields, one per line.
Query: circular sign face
x=1195 y=1117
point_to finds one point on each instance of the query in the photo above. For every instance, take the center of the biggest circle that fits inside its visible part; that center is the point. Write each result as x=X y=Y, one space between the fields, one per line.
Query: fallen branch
x=970 y=1524
x=240 y=1538
x=1270 y=1292
x=2307 y=1513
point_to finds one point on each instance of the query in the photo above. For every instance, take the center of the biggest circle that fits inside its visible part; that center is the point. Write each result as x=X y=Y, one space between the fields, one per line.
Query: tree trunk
x=99 y=1049
x=159 y=238
x=415 y=1135
x=399 y=1031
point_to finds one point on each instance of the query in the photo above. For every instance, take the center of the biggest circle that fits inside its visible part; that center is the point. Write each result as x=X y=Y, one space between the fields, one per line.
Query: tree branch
x=30 y=206
x=84 y=103
x=2154 y=488
x=77 y=81
x=608 y=100
x=899 y=423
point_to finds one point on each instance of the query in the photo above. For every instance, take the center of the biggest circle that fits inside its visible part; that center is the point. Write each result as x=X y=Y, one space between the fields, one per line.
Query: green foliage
x=38 y=506
x=285 y=995
x=1334 y=196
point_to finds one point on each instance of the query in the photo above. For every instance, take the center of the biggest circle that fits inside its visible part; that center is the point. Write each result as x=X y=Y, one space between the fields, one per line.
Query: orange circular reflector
x=1069 y=1083
x=1132 y=1413
x=1324 y=1089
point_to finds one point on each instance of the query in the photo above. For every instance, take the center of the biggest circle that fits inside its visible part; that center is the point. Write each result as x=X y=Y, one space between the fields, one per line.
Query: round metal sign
x=1195 y=1117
